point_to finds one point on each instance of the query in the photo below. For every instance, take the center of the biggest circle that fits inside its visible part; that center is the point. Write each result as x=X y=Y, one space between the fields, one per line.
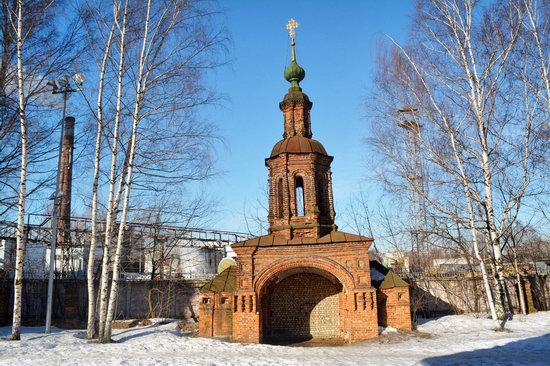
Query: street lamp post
x=61 y=86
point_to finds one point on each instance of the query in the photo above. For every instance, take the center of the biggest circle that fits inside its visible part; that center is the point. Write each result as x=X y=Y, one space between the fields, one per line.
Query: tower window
x=280 y=198
x=320 y=196
x=299 y=193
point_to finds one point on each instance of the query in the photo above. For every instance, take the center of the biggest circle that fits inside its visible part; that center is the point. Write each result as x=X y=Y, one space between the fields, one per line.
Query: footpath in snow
x=450 y=340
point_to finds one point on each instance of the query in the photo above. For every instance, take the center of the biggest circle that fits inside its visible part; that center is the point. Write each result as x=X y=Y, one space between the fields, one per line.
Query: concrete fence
x=430 y=296
x=439 y=295
x=136 y=300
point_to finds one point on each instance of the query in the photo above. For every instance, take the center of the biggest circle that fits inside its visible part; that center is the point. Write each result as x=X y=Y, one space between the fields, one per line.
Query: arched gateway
x=305 y=279
x=301 y=304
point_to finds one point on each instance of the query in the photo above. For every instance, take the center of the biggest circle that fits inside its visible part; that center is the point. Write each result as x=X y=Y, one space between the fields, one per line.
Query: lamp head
x=53 y=84
x=79 y=78
x=64 y=80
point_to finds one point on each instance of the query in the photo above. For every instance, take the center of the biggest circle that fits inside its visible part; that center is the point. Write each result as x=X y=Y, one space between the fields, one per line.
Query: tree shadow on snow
x=530 y=351
x=34 y=332
x=139 y=332
x=134 y=336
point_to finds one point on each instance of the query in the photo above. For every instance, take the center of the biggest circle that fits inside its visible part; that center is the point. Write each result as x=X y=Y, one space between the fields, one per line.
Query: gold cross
x=291 y=26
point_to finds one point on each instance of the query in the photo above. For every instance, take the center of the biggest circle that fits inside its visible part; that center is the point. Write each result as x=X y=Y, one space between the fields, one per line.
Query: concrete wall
x=439 y=296
x=136 y=300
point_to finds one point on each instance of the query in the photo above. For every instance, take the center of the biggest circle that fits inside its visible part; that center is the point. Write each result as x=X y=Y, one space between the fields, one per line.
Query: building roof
x=384 y=278
x=223 y=282
x=392 y=280
x=298 y=145
x=277 y=240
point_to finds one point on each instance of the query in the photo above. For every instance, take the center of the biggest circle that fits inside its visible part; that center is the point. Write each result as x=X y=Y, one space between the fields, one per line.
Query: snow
x=450 y=340
x=387 y=330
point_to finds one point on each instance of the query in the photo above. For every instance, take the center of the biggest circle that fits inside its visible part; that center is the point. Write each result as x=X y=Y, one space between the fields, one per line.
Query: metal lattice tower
x=416 y=179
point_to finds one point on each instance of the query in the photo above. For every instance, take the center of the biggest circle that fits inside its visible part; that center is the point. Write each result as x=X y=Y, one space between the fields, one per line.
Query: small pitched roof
x=384 y=278
x=392 y=280
x=223 y=282
x=277 y=240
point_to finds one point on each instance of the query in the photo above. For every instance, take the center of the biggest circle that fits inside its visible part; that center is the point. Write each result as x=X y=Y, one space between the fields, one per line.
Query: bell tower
x=300 y=182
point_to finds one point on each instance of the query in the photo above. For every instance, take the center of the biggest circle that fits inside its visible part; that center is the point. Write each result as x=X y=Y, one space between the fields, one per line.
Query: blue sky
x=336 y=45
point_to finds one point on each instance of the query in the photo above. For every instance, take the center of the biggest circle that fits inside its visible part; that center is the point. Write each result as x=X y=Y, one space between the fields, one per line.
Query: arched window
x=321 y=204
x=280 y=203
x=299 y=194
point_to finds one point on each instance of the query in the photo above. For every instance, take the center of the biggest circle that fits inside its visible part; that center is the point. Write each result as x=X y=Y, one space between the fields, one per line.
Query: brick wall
x=314 y=169
x=394 y=308
x=347 y=264
x=246 y=319
x=216 y=315
x=304 y=306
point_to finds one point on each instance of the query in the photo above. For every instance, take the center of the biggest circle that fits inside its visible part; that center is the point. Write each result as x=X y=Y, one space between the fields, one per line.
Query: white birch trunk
x=449 y=131
x=529 y=6
x=91 y=329
x=476 y=100
x=521 y=293
x=111 y=208
x=20 y=237
x=473 y=230
x=477 y=252
x=140 y=91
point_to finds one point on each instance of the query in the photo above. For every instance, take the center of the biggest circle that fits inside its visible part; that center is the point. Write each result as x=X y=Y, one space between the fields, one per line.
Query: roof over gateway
x=277 y=240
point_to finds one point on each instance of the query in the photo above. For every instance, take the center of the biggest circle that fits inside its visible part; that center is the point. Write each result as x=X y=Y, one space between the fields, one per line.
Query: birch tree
x=91 y=331
x=49 y=53
x=163 y=50
x=480 y=123
x=20 y=236
x=112 y=206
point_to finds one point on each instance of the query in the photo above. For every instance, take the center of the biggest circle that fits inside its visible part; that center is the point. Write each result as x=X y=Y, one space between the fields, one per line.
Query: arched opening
x=280 y=196
x=321 y=196
x=301 y=304
x=299 y=194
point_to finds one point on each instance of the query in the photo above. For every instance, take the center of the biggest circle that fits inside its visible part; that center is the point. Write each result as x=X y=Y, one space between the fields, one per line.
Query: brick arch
x=299 y=173
x=321 y=263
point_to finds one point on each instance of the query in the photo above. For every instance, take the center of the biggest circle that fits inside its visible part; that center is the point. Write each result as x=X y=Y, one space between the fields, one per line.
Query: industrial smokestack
x=65 y=183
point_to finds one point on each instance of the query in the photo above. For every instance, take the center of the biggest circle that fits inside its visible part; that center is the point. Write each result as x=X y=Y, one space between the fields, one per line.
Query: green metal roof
x=392 y=280
x=223 y=282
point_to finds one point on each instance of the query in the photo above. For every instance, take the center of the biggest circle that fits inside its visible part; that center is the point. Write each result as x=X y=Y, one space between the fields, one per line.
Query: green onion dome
x=294 y=74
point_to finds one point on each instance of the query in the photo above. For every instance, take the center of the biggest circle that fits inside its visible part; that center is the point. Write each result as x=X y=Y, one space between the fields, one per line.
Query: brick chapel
x=305 y=279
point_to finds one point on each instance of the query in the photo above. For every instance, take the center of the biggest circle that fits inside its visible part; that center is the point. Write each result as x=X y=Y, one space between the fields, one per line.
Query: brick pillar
x=206 y=314
x=246 y=318
x=362 y=314
x=396 y=308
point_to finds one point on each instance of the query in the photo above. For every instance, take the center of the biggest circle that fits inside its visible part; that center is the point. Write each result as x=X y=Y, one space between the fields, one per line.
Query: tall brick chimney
x=65 y=183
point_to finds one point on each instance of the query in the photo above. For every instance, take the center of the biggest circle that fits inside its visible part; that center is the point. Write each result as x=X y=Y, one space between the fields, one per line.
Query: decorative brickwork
x=395 y=308
x=300 y=181
x=343 y=266
x=303 y=306
x=305 y=279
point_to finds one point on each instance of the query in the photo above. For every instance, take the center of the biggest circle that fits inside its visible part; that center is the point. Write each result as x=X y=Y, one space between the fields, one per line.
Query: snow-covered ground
x=451 y=340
